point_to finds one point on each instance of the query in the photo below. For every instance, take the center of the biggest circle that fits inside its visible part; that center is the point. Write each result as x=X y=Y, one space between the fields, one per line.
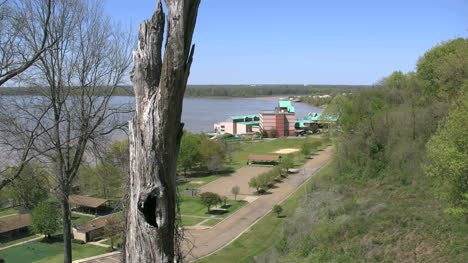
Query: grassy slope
x=382 y=221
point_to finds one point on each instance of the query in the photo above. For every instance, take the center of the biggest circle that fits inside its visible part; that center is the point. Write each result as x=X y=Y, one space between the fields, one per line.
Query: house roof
x=14 y=222
x=254 y=157
x=87 y=201
x=94 y=224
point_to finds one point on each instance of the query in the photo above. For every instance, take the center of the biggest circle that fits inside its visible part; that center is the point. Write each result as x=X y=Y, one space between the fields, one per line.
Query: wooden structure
x=14 y=227
x=86 y=203
x=263 y=159
x=91 y=230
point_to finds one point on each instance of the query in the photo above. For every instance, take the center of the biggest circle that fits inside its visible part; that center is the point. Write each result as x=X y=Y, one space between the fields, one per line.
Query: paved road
x=201 y=243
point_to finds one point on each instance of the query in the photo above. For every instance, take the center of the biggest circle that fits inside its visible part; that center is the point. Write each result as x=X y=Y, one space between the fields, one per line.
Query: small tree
x=215 y=163
x=235 y=191
x=209 y=199
x=277 y=209
x=113 y=230
x=254 y=183
x=30 y=188
x=224 y=200
x=287 y=163
x=189 y=153
x=272 y=133
x=46 y=218
x=305 y=149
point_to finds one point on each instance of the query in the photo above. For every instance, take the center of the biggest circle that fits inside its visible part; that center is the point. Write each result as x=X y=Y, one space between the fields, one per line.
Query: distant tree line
x=212 y=90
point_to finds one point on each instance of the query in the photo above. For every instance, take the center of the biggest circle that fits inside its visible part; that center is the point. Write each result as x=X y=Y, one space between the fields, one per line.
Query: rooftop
x=14 y=222
x=241 y=117
x=255 y=157
x=286 y=104
x=87 y=201
x=96 y=223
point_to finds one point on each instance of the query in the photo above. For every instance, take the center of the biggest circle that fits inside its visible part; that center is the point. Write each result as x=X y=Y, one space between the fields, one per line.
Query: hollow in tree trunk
x=156 y=130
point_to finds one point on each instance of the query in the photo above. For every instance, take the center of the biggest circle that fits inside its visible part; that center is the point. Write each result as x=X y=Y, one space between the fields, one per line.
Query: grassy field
x=8 y=211
x=263 y=234
x=239 y=158
x=31 y=236
x=78 y=219
x=190 y=221
x=45 y=252
x=193 y=206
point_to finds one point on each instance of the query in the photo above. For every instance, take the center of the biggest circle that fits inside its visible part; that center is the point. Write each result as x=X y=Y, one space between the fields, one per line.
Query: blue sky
x=309 y=41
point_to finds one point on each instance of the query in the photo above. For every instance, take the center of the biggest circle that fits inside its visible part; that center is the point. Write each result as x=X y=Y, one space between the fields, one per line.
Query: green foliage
x=189 y=153
x=305 y=149
x=212 y=153
x=443 y=64
x=104 y=179
x=46 y=218
x=30 y=188
x=286 y=163
x=265 y=180
x=448 y=158
x=272 y=133
x=277 y=209
x=209 y=199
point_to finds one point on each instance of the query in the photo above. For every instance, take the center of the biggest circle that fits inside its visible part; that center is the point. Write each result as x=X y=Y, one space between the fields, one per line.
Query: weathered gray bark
x=156 y=130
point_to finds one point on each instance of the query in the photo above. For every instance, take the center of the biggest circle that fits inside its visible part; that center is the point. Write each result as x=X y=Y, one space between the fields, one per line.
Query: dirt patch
x=287 y=150
x=241 y=177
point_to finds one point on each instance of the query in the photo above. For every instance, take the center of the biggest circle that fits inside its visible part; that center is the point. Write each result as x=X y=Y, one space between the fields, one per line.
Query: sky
x=309 y=41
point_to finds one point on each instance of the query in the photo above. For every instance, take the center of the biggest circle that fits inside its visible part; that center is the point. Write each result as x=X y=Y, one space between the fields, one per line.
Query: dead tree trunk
x=156 y=130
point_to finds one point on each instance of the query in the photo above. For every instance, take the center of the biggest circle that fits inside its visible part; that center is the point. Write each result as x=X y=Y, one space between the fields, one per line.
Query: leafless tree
x=76 y=80
x=24 y=36
x=156 y=131
x=23 y=22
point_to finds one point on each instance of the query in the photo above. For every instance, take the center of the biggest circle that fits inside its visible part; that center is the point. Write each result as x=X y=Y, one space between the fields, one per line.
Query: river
x=199 y=114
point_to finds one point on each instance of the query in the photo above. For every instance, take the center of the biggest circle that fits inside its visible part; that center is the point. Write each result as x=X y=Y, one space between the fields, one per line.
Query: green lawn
x=8 y=211
x=263 y=234
x=239 y=158
x=193 y=206
x=190 y=221
x=78 y=219
x=211 y=222
x=44 y=252
x=17 y=241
